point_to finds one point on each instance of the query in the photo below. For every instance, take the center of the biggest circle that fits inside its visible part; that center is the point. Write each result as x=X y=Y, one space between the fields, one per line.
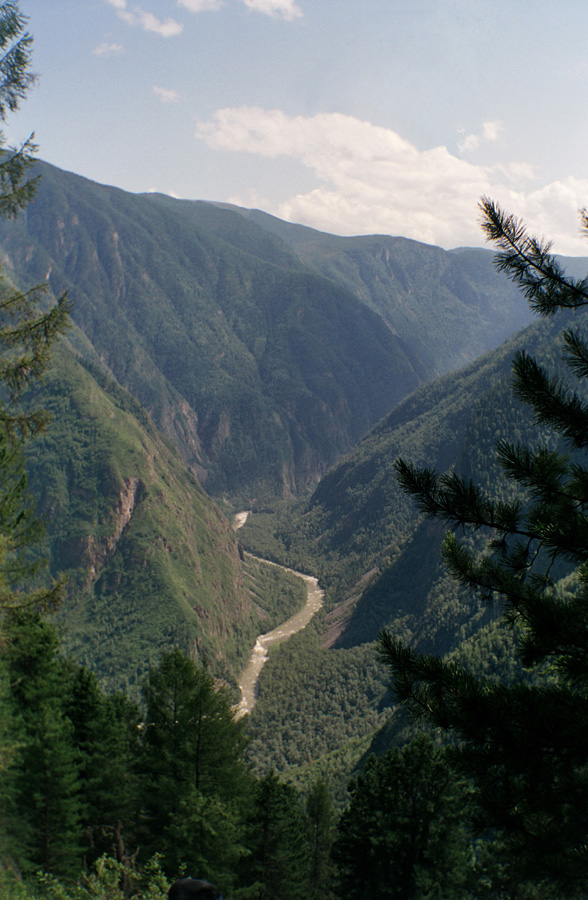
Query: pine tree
x=320 y=828
x=29 y=325
x=191 y=747
x=104 y=733
x=276 y=867
x=47 y=807
x=524 y=744
x=402 y=837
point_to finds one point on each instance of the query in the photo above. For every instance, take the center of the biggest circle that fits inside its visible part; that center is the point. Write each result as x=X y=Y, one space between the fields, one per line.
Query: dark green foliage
x=522 y=742
x=191 y=752
x=312 y=701
x=47 y=803
x=320 y=827
x=402 y=835
x=206 y=836
x=276 y=867
x=104 y=732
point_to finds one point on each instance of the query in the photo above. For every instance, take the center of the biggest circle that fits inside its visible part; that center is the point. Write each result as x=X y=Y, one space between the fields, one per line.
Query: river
x=250 y=676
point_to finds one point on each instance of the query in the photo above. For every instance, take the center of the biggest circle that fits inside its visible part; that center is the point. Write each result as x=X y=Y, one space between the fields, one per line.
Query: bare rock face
x=104 y=548
x=92 y=552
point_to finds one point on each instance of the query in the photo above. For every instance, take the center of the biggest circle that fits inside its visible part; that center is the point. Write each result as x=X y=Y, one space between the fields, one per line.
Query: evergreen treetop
x=29 y=325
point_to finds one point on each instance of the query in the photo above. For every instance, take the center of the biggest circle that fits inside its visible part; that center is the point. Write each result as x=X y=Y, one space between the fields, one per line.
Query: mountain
x=264 y=357
x=261 y=371
x=377 y=556
x=448 y=307
x=380 y=563
x=150 y=560
x=220 y=348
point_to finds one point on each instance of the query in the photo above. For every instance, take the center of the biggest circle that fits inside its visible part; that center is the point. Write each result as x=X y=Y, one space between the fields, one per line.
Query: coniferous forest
x=406 y=424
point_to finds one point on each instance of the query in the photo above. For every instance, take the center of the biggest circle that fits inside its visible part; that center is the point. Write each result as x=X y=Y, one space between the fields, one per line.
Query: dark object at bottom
x=193 y=889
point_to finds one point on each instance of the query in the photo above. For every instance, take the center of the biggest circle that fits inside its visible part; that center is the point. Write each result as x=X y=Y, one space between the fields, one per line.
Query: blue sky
x=351 y=116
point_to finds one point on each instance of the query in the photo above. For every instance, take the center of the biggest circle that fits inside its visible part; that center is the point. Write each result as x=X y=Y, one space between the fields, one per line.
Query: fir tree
x=524 y=744
x=191 y=747
x=402 y=837
x=47 y=808
x=29 y=325
x=276 y=867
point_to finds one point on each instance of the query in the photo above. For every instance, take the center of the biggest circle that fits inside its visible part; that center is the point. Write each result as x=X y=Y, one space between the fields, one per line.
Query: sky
x=350 y=116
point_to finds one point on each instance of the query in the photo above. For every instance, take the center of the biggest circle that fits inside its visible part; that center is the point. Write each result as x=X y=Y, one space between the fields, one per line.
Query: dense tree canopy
x=402 y=835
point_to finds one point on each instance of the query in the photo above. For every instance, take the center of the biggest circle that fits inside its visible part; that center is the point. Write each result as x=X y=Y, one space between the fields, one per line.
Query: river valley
x=260 y=653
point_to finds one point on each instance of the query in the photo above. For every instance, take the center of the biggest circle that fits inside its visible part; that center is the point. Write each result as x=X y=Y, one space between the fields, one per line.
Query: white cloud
x=492 y=131
x=371 y=180
x=468 y=143
x=146 y=20
x=166 y=95
x=105 y=49
x=197 y=6
x=283 y=9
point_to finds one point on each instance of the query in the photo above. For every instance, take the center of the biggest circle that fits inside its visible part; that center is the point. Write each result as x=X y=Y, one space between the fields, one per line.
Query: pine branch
x=551 y=401
x=529 y=263
x=542 y=472
x=459 y=503
x=576 y=355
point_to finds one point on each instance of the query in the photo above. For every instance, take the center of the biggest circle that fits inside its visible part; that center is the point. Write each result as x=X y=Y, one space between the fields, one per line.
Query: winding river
x=314 y=601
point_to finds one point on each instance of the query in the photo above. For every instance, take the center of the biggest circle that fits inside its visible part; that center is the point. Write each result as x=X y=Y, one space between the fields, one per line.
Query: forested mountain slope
x=263 y=361
x=151 y=562
x=448 y=307
x=262 y=371
x=379 y=560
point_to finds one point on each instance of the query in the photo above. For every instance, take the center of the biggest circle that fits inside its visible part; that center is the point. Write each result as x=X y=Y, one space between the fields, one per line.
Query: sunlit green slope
x=151 y=561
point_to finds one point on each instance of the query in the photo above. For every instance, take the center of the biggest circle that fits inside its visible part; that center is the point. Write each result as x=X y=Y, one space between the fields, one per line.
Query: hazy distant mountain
x=264 y=351
x=448 y=307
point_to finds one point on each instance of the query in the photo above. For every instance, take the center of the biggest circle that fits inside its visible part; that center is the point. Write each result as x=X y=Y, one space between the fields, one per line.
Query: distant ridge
x=265 y=351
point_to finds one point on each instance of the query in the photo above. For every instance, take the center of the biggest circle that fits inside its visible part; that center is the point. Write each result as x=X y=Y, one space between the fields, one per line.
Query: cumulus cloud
x=166 y=95
x=146 y=20
x=282 y=9
x=106 y=49
x=492 y=131
x=371 y=180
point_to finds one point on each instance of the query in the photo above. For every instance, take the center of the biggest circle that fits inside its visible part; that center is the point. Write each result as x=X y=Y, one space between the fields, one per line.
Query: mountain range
x=264 y=351
x=222 y=359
